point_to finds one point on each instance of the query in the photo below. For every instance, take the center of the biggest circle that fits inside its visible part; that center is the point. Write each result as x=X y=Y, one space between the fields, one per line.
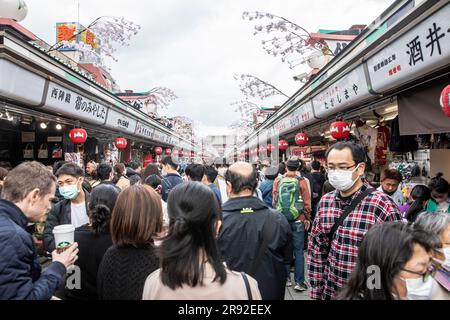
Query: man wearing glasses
x=343 y=218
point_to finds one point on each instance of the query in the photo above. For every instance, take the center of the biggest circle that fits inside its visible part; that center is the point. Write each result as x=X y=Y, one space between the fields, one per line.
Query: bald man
x=249 y=229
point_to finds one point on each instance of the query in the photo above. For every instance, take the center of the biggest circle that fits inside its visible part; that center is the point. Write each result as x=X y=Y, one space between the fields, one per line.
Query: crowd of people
x=171 y=231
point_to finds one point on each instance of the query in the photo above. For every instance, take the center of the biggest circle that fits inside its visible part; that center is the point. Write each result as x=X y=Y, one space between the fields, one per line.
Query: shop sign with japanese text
x=347 y=91
x=69 y=103
x=118 y=120
x=301 y=116
x=424 y=48
x=144 y=130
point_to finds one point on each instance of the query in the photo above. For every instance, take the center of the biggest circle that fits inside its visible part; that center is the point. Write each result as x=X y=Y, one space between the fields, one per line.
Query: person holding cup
x=26 y=197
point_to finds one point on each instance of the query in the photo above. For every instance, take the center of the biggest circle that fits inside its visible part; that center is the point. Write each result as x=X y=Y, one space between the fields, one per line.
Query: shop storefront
x=43 y=98
x=386 y=88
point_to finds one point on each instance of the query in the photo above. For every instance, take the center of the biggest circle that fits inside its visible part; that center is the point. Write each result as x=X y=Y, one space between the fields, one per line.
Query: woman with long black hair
x=93 y=240
x=191 y=264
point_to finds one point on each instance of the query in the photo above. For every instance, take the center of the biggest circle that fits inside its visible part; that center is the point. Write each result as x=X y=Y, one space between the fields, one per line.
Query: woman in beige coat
x=123 y=182
x=191 y=265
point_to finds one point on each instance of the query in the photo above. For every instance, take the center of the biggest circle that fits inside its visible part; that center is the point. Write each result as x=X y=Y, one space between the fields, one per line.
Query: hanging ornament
x=78 y=135
x=158 y=151
x=283 y=145
x=168 y=152
x=262 y=150
x=270 y=148
x=301 y=139
x=120 y=143
x=445 y=97
x=340 y=129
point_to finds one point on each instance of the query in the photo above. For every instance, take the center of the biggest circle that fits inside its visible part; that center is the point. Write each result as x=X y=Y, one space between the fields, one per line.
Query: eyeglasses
x=328 y=168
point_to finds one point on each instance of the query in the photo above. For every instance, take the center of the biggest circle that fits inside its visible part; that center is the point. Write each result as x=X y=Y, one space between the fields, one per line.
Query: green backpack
x=289 y=202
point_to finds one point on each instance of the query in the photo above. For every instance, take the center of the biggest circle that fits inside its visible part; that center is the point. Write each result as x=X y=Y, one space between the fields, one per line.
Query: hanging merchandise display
x=444 y=101
x=120 y=143
x=382 y=145
x=28 y=152
x=78 y=136
x=57 y=152
x=367 y=137
x=301 y=139
x=43 y=151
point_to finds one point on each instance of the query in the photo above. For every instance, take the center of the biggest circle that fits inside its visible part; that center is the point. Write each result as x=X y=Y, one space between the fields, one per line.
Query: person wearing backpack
x=171 y=177
x=343 y=219
x=292 y=199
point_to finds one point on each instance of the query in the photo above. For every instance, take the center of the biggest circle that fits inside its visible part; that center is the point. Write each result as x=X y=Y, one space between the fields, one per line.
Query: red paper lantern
x=120 y=143
x=445 y=97
x=283 y=145
x=340 y=130
x=158 y=151
x=262 y=150
x=78 y=135
x=192 y=154
x=270 y=147
x=168 y=152
x=301 y=139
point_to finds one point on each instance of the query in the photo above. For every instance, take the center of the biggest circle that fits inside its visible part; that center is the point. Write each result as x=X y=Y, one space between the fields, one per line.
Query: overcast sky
x=195 y=46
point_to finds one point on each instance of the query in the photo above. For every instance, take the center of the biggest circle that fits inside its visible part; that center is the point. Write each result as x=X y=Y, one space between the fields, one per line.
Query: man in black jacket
x=254 y=238
x=26 y=197
x=73 y=209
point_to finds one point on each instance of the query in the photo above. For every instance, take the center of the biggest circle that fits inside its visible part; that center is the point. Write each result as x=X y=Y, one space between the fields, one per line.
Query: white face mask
x=419 y=290
x=342 y=180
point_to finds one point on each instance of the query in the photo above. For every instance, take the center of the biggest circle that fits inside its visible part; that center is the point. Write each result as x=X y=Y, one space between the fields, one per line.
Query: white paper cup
x=64 y=236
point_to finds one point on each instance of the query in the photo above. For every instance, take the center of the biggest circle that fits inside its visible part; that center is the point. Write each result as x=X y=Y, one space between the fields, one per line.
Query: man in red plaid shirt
x=329 y=272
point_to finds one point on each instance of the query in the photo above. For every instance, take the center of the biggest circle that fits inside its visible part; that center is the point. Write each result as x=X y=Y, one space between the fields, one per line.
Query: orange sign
x=66 y=32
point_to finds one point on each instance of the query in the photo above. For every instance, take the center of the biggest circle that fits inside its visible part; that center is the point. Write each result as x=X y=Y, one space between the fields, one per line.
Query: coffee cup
x=64 y=237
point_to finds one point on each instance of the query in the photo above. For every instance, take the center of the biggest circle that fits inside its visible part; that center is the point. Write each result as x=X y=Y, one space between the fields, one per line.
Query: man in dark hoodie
x=71 y=210
x=26 y=197
x=254 y=238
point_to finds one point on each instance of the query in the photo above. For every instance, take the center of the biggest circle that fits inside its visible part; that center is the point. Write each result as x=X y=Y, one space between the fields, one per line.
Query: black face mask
x=389 y=193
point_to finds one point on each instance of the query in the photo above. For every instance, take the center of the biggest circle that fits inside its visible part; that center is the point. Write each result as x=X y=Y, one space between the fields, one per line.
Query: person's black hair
x=195 y=172
x=241 y=182
x=271 y=173
x=316 y=165
x=439 y=184
x=70 y=169
x=101 y=204
x=282 y=168
x=153 y=181
x=193 y=213
x=133 y=165
x=392 y=174
x=169 y=161
x=57 y=165
x=104 y=171
x=151 y=169
x=135 y=178
x=377 y=249
x=358 y=152
x=420 y=194
x=211 y=173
